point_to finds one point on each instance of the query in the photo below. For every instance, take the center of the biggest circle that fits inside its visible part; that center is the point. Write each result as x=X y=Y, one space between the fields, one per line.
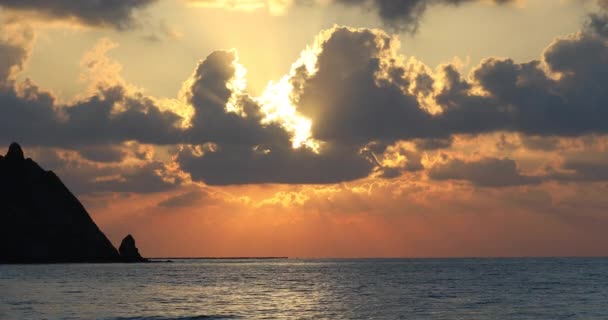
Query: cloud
x=359 y=91
x=114 y=111
x=212 y=89
x=559 y=95
x=119 y=14
x=338 y=115
x=598 y=23
x=240 y=147
x=585 y=171
x=33 y=117
x=433 y=144
x=278 y=163
x=487 y=172
x=404 y=15
x=15 y=46
x=540 y=143
x=587 y=165
x=364 y=91
x=127 y=175
x=102 y=153
x=13 y=58
x=398 y=15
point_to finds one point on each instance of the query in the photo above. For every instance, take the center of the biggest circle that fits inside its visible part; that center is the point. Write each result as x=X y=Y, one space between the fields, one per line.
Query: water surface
x=309 y=289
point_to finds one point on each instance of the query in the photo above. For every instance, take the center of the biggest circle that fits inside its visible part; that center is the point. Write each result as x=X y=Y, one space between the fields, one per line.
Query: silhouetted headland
x=41 y=221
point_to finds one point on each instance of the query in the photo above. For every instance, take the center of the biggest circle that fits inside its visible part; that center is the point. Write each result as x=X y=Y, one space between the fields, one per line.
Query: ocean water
x=309 y=289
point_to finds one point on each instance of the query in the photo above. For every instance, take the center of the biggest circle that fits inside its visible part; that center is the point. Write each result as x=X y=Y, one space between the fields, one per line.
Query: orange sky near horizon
x=440 y=226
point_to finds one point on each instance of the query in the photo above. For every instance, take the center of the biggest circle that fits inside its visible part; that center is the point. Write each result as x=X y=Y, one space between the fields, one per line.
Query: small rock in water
x=129 y=252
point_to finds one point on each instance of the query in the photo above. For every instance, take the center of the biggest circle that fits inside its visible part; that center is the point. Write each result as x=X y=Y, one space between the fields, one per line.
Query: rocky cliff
x=41 y=221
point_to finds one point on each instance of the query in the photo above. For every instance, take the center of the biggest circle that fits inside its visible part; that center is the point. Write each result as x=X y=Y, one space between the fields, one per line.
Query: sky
x=319 y=128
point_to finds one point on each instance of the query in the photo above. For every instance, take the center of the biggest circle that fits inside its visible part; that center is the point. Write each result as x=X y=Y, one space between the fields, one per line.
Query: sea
x=530 y=288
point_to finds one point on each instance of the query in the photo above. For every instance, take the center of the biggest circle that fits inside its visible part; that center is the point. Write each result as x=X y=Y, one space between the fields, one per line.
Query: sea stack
x=41 y=221
x=129 y=252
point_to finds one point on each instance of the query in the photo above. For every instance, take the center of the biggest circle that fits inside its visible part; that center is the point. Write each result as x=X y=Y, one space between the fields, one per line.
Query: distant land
x=41 y=221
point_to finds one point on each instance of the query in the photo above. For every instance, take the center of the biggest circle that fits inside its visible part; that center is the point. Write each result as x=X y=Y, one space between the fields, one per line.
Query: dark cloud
x=33 y=117
x=96 y=126
x=540 y=143
x=12 y=60
x=243 y=150
x=279 y=163
x=94 y=120
x=113 y=114
x=153 y=176
x=487 y=172
x=209 y=95
x=103 y=153
x=15 y=43
x=85 y=177
x=585 y=171
x=433 y=144
x=349 y=103
x=346 y=101
x=598 y=23
x=361 y=99
x=27 y=115
x=118 y=14
x=585 y=166
x=404 y=15
x=525 y=98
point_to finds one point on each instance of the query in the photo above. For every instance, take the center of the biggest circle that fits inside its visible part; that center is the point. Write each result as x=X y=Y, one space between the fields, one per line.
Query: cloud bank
x=340 y=114
x=119 y=14
x=405 y=15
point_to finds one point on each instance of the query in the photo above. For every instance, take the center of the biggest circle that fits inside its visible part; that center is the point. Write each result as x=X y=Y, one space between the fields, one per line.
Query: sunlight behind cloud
x=277 y=105
x=278 y=100
x=237 y=85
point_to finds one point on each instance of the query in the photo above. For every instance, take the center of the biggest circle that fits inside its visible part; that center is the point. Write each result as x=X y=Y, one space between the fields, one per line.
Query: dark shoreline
x=156 y=260
x=218 y=258
x=149 y=260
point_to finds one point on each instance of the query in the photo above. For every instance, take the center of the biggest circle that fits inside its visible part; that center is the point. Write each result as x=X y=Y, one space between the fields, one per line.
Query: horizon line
x=372 y=258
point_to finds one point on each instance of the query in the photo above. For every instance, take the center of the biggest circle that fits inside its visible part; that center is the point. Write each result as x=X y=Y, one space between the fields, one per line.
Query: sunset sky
x=319 y=128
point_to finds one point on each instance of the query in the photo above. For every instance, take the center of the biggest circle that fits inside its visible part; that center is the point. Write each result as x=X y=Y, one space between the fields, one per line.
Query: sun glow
x=237 y=85
x=240 y=5
x=277 y=105
x=278 y=100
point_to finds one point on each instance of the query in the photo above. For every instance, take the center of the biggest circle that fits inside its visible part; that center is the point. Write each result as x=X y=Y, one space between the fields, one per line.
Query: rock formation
x=129 y=252
x=41 y=221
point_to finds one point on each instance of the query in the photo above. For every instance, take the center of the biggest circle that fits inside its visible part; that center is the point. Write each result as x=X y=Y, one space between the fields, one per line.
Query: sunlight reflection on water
x=309 y=289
